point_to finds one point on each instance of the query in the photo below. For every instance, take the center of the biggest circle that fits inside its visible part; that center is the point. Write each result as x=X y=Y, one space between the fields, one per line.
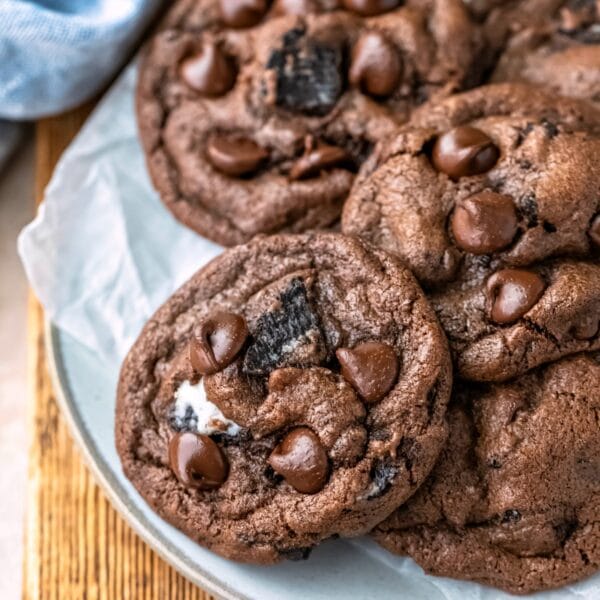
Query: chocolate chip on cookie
x=464 y=151
x=302 y=461
x=371 y=368
x=513 y=499
x=197 y=461
x=235 y=156
x=209 y=71
x=376 y=66
x=320 y=158
x=218 y=340
x=511 y=293
x=484 y=222
x=233 y=404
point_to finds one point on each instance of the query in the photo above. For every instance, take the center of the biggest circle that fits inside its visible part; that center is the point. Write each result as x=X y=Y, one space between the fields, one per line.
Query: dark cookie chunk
x=514 y=500
x=383 y=473
x=275 y=451
x=309 y=74
x=470 y=237
x=554 y=43
x=260 y=128
x=280 y=336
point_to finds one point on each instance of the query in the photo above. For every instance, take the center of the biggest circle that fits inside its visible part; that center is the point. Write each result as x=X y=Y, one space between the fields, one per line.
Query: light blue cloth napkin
x=54 y=54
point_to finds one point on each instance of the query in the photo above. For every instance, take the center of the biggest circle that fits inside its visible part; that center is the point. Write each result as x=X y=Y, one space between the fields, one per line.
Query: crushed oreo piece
x=308 y=73
x=382 y=475
x=242 y=437
x=432 y=398
x=289 y=336
x=187 y=422
x=380 y=435
x=522 y=134
x=565 y=530
x=591 y=35
x=511 y=516
x=524 y=164
x=550 y=128
x=528 y=207
x=295 y=554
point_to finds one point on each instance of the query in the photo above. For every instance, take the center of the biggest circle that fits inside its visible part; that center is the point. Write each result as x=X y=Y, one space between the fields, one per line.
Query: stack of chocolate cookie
x=299 y=386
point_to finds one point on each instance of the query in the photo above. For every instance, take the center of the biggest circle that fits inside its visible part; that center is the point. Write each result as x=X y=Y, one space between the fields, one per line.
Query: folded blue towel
x=54 y=54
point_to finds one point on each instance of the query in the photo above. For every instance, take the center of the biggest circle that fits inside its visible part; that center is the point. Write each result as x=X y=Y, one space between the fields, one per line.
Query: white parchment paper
x=103 y=254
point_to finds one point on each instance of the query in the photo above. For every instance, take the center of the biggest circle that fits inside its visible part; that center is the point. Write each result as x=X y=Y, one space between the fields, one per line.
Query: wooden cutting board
x=76 y=546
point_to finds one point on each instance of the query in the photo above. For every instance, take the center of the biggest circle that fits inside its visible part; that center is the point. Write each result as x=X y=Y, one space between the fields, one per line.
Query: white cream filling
x=210 y=418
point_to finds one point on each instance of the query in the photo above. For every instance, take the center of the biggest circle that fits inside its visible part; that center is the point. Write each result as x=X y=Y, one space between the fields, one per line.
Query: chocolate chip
x=376 y=67
x=511 y=293
x=319 y=159
x=279 y=336
x=485 y=222
x=197 y=461
x=371 y=368
x=308 y=74
x=242 y=13
x=301 y=460
x=369 y=8
x=594 y=231
x=382 y=475
x=235 y=156
x=217 y=342
x=210 y=71
x=464 y=151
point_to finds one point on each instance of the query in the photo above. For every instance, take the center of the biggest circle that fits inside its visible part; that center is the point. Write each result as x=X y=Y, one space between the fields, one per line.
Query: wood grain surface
x=76 y=546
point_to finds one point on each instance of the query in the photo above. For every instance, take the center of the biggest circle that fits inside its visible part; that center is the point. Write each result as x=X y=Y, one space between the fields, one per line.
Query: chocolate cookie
x=255 y=118
x=514 y=500
x=474 y=187
x=555 y=43
x=293 y=390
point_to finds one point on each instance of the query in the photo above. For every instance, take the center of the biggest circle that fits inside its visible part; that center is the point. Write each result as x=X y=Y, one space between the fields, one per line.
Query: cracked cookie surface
x=260 y=127
x=496 y=180
x=514 y=500
x=248 y=414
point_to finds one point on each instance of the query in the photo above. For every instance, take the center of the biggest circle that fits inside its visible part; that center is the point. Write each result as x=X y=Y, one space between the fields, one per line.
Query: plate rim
x=124 y=506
